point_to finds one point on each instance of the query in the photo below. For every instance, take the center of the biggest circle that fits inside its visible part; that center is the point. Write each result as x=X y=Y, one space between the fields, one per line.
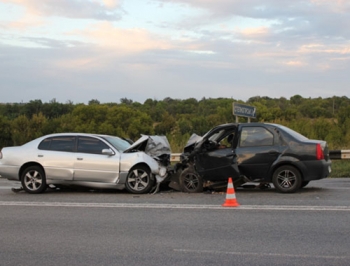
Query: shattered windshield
x=218 y=135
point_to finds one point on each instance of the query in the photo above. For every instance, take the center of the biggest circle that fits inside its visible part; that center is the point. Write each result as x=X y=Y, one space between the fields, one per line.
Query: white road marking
x=174 y=206
x=261 y=254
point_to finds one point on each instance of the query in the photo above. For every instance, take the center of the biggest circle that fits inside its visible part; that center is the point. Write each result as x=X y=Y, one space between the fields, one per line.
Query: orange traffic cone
x=230 y=196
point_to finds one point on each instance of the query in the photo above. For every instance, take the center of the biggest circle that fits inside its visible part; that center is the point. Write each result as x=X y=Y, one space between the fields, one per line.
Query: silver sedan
x=90 y=160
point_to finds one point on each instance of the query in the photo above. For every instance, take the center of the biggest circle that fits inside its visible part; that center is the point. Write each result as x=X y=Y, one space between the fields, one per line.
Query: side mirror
x=108 y=152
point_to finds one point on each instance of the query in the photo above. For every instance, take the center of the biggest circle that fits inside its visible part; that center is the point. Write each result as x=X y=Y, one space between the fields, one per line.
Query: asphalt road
x=310 y=227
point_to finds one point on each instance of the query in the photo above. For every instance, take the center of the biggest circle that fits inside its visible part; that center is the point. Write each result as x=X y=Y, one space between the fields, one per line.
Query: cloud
x=295 y=63
x=111 y=4
x=83 y=73
x=223 y=48
x=316 y=17
x=105 y=10
x=104 y=34
x=259 y=34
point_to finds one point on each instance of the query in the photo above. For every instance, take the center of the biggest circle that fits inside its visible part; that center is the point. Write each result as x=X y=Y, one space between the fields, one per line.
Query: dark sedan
x=252 y=152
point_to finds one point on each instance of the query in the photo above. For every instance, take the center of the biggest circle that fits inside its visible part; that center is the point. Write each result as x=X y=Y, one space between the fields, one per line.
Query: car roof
x=247 y=124
x=73 y=134
x=39 y=139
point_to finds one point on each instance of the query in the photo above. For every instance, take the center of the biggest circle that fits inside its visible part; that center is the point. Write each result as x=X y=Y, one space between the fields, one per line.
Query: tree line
x=316 y=118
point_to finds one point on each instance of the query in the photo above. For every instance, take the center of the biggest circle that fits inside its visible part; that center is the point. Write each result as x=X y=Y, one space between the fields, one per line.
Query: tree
x=36 y=126
x=33 y=108
x=167 y=124
x=5 y=132
x=126 y=101
x=94 y=101
x=20 y=130
x=296 y=100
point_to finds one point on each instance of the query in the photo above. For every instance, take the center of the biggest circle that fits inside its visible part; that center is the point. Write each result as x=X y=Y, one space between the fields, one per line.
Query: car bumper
x=10 y=172
x=315 y=170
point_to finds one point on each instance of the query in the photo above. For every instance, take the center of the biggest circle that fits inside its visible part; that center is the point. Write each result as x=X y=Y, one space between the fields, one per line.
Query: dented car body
x=252 y=152
x=89 y=160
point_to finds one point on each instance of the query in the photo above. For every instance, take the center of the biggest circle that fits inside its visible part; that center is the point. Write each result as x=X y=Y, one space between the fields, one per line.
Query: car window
x=118 y=143
x=293 y=133
x=255 y=136
x=217 y=135
x=91 y=145
x=59 y=143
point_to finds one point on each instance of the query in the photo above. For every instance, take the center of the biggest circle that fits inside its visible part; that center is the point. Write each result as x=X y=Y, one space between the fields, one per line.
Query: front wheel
x=286 y=179
x=139 y=180
x=33 y=180
x=190 y=181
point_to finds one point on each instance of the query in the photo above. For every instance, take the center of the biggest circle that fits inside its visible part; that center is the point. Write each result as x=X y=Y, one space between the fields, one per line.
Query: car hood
x=154 y=146
x=192 y=142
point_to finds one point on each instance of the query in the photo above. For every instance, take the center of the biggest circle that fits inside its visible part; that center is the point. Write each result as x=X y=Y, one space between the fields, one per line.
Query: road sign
x=244 y=110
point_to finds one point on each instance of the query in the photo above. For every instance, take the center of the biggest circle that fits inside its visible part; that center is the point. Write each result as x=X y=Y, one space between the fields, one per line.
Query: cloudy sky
x=78 y=50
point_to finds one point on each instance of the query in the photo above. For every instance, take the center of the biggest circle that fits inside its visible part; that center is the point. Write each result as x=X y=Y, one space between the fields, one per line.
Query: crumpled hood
x=152 y=145
x=191 y=142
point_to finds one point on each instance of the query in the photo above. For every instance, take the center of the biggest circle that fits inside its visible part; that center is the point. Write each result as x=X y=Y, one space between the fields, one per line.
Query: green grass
x=340 y=168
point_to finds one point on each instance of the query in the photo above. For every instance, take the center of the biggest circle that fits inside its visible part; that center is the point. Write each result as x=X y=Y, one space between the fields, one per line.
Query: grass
x=340 y=168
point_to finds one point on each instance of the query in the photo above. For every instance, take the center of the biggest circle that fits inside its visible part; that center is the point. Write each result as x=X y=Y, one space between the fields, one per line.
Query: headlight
x=162 y=171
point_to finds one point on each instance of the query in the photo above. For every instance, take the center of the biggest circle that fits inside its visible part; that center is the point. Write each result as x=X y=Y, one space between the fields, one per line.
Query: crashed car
x=89 y=160
x=251 y=152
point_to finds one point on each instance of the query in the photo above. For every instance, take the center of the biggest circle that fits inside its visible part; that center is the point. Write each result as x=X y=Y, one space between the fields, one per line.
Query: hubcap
x=191 y=181
x=138 y=180
x=286 y=179
x=33 y=180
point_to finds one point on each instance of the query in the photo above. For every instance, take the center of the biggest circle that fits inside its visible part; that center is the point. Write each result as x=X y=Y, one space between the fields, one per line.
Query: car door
x=256 y=151
x=56 y=155
x=91 y=165
x=216 y=159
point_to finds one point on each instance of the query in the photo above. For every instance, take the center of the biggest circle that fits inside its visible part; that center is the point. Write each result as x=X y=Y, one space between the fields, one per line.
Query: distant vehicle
x=252 y=152
x=90 y=160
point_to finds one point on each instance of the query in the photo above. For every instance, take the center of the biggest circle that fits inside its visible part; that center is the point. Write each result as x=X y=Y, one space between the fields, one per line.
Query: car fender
x=287 y=160
x=129 y=160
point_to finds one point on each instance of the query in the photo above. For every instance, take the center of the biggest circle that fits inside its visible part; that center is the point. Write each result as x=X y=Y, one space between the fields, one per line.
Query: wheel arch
x=132 y=185
x=28 y=164
x=141 y=164
x=286 y=163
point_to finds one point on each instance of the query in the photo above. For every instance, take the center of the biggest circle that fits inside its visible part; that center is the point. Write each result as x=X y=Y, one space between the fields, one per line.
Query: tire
x=139 y=180
x=190 y=181
x=33 y=180
x=286 y=179
x=304 y=184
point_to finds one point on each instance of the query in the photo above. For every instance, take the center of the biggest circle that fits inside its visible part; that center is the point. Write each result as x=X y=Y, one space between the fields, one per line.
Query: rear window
x=63 y=143
x=293 y=133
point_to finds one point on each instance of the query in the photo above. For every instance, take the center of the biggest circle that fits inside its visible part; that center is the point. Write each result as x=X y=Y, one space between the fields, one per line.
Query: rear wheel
x=139 y=180
x=33 y=180
x=190 y=181
x=286 y=179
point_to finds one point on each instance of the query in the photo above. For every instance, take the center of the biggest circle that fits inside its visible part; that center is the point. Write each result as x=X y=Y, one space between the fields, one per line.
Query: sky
x=106 y=50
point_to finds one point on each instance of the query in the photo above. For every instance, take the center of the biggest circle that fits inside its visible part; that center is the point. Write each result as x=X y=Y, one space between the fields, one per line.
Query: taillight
x=319 y=152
